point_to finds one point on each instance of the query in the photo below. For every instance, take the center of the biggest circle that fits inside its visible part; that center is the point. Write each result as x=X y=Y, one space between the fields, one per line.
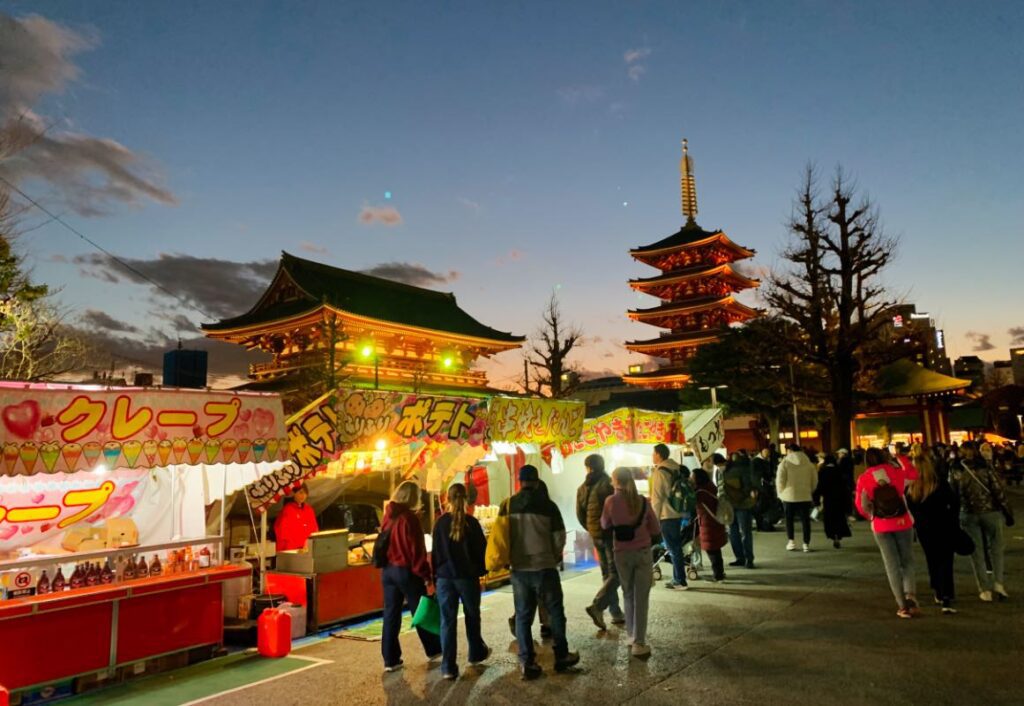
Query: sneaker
x=807 y=548
x=738 y=562
x=750 y=564
x=947 y=608
x=912 y=606
x=1000 y=591
x=545 y=632
x=619 y=619
x=638 y=650
x=837 y=544
x=986 y=596
x=478 y=662
x=394 y=667
x=791 y=546
x=570 y=660
x=596 y=614
x=448 y=676
x=531 y=671
x=673 y=586
x=903 y=613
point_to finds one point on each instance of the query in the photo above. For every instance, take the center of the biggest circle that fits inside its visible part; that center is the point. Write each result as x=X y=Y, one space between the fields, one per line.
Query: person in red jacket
x=296 y=522
x=407 y=576
x=712 y=533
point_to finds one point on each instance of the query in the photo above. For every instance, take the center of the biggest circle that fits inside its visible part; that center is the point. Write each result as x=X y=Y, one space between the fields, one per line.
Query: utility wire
x=112 y=256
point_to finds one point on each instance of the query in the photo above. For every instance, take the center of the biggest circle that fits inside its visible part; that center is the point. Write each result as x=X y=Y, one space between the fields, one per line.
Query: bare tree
x=833 y=291
x=548 y=353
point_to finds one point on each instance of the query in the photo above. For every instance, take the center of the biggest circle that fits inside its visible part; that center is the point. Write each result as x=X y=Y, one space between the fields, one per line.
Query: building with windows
x=971 y=367
x=1017 y=364
x=916 y=334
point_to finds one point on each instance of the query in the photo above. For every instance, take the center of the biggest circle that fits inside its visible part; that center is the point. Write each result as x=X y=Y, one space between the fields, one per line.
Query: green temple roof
x=905 y=378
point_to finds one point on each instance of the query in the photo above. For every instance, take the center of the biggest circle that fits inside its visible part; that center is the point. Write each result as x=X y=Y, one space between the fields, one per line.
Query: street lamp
x=714 y=393
x=369 y=352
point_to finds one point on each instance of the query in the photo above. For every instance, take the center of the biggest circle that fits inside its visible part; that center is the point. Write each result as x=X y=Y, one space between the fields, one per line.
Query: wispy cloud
x=412 y=273
x=584 y=93
x=982 y=341
x=470 y=204
x=511 y=256
x=93 y=318
x=88 y=174
x=1016 y=335
x=312 y=248
x=384 y=215
x=634 y=58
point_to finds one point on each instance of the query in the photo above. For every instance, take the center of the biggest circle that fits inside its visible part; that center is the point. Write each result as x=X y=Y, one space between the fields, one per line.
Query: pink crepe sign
x=66 y=428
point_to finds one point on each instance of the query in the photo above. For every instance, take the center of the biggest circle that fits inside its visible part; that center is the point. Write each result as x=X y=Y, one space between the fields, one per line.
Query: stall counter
x=331 y=597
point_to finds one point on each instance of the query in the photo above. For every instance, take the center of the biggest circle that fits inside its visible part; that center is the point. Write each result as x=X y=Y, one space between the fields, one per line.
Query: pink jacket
x=617 y=512
x=867 y=484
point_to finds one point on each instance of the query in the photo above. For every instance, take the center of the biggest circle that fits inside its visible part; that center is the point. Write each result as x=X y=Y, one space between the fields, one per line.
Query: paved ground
x=816 y=627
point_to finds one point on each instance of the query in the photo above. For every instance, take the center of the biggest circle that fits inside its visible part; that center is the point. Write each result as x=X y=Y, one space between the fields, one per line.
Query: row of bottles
x=125 y=568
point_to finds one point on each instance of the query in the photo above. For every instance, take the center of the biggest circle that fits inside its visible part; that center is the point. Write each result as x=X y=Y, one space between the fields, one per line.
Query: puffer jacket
x=796 y=478
x=536 y=530
x=713 y=536
x=590 y=499
x=980 y=493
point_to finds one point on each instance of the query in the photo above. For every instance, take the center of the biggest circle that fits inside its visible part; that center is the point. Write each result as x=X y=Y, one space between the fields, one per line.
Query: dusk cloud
x=312 y=248
x=101 y=320
x=222 y=288
x=633 y=57
x=471 y=204
x=982 y=341
x=412 y=273
x=1016 y=335
x=89 y=174
x=384 y=215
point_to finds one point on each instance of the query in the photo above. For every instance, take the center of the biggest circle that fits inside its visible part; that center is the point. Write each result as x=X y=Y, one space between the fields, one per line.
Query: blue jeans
x=449 y=592
x=402 y=588
x=741 y=536
x=528 y=587
x=986 y=530
x=672 y=534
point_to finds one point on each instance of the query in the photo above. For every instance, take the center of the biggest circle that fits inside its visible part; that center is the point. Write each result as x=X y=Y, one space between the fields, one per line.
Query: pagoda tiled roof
x=689 y=235
x=691 y=273
x=697 y=303
x=674 y=338
x=363 y=295
x=652 y=377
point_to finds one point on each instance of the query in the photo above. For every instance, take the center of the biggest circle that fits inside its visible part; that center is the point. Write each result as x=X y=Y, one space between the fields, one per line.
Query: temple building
x=697 y=286
x=372 y=332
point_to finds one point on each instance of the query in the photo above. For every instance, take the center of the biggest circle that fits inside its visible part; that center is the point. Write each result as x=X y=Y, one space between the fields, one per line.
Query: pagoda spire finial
x=688 y=186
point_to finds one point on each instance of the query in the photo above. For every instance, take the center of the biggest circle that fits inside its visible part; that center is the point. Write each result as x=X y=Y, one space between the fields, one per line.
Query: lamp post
x=714 y=393
x=369 y=352
x=796 y=416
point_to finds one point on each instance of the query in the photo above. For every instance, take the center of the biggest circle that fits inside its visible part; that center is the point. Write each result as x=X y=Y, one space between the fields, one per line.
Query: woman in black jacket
x=936 y=512
x=835 y=493
x=458 y=561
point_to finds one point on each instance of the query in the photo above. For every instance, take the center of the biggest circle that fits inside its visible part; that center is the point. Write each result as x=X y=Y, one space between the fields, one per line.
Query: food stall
x=106 y=567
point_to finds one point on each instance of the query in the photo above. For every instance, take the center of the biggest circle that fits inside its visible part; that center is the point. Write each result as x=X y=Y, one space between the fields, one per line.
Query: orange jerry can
x=274 y=633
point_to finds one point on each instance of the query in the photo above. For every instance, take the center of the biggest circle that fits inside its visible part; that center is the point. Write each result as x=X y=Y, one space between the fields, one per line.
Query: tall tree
x=832 y=289
x=552 y=374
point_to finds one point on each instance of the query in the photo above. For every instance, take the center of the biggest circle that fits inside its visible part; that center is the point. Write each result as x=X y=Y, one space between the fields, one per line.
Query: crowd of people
x=950 y=498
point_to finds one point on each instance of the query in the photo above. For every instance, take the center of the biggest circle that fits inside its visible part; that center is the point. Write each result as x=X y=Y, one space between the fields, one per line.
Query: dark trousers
x=402 y=588
x=804 y=509
x=528 y=588
x=449 y=593
x=939 y=555
x=608 y=595
x=741 y=536
x=717 y=564
x=672 y=534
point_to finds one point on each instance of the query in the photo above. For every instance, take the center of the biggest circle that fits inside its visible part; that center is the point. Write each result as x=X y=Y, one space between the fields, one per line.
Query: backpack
x=380 y=548
x=725 y=514
x=888 y=502
x=681 y=496
x=626 y=533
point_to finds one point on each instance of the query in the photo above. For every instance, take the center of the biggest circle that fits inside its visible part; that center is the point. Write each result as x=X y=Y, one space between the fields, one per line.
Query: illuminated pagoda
x=384 y=333
x=697 y=288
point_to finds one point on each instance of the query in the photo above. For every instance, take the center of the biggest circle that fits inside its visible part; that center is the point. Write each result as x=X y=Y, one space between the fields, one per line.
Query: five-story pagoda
x=697 y=288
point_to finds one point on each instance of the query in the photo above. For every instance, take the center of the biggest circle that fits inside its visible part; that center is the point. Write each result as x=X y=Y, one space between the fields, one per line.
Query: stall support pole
x=263 y=552
x=223 y=502
x=175 y=535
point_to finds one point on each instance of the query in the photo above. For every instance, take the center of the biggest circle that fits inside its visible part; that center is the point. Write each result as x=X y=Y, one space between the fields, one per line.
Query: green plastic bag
x=428 y=615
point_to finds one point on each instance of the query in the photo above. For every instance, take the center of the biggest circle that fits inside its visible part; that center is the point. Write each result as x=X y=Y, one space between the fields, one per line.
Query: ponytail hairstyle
x=457 y=498
x=928 y=480
x=623 y=478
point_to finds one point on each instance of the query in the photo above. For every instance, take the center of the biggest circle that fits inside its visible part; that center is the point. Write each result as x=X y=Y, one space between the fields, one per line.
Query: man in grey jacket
x=536 y=542
x=662 y=478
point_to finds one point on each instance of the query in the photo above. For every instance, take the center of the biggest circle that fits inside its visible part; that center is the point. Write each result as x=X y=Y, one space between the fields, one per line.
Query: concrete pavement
x=814 y=628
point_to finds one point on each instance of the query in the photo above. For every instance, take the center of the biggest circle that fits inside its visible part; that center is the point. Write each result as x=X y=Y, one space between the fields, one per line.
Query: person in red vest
x=296 y=522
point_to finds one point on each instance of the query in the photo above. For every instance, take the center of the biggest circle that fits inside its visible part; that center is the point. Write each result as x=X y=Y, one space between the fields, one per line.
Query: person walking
x=741 y=490
x=936 y=512
x=590 y=500
x=795 y=482
x=406 y=575
x=762 y=471
x=665 y=475
x=536 y=542
x=712 y=533
x=983 y=513
x=834 y=493
x=457 y=556
x=635 y=528
x=879 y=497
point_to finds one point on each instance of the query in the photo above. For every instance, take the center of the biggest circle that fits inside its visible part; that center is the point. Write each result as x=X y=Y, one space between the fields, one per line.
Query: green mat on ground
x=371 y=631
x=199 y=681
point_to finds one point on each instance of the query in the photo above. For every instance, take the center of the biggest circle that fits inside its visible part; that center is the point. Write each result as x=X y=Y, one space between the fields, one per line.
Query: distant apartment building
x=1002 y=373
x=1017 y=364
x=970 y=367
x=916 y=333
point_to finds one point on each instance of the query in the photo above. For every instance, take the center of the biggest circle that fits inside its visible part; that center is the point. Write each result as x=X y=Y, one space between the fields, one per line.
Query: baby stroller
x=691 y=552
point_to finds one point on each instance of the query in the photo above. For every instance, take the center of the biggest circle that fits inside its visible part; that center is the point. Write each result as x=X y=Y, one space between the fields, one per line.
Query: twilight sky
x=500 y=150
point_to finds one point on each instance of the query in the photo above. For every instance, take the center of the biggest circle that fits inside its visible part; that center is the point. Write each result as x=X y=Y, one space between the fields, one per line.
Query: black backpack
x=626 y=533
x=888 y=502
x=380 y=548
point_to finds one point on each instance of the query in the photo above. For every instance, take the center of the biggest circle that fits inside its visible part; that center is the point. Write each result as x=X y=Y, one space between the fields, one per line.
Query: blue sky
x=528 y=146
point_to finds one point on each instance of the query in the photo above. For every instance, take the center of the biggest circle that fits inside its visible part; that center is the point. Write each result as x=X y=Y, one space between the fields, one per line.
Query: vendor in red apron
x=296 y=522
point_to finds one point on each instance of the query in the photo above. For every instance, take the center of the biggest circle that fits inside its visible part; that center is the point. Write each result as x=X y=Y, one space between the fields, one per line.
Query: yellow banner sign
x=531 y=420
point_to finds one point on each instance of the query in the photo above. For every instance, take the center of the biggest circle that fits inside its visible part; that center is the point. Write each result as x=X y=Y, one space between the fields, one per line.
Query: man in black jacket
x=590 y=497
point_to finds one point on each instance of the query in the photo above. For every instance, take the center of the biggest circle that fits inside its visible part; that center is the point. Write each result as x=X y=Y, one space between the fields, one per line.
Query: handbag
x=1007 y=512
x=962 y=543
x=428 y=615
x=627 y=533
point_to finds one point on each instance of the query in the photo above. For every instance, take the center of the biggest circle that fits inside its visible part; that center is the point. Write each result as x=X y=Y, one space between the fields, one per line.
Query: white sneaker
x=1001 y=591
x=807 y=548
x=791 y=546
x=986 y=596
x=638 y=650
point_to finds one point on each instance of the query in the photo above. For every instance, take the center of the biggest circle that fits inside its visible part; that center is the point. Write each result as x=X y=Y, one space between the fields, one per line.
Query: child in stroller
x=691 y=551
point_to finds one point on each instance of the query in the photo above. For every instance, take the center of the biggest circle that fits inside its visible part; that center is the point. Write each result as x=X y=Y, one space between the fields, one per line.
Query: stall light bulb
x=381 y=444
x=101 y=470
x=617 y=452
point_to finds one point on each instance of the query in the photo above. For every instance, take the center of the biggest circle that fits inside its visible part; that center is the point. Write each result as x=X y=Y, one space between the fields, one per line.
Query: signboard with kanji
x=65 y=429
x=627 y=426
x=529 y=420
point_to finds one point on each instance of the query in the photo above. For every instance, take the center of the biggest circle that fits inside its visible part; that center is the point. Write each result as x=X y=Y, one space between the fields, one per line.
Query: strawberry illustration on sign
x=22 y=419
x=262 y=421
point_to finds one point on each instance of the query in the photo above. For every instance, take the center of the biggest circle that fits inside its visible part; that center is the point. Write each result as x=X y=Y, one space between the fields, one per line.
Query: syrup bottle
x=141 y=570
x=77 y=577
x=129 y=570
x=190 y=564
x=155 y=569
x=44 y=584
x=204 y=558
x=92 y=576
x=59 y=582
x=107 y=574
